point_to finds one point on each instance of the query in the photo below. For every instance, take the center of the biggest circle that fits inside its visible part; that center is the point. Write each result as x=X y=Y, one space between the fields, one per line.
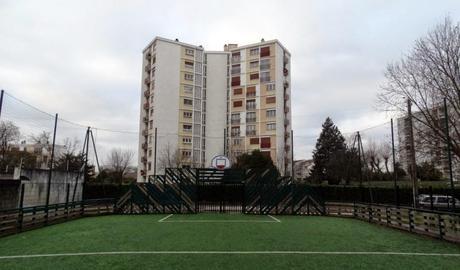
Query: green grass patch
x=293 y=233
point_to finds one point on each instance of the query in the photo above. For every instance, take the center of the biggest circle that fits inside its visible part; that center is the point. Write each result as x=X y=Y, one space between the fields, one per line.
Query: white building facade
x=208 y=103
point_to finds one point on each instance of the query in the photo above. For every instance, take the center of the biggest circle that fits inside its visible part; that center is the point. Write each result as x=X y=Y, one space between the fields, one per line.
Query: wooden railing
x=27 y=218
x=442 y=225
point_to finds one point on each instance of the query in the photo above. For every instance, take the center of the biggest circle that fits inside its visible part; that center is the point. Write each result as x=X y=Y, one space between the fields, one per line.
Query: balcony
x=285 y=72
x=287 y=135
x=236 y=59
x=146 y=93
x=147 y=68
x=250 y=94
x=144 y=159
x=285 y=60
x=251 y=120
x=286 y=122
x=146 y=106
x=287 y=148
x=250 y=106
x=145 y=119
x=236 y=121
x=250 y=132
x=149 y=55
x=286 y=96
x=145 y=132
x=147 y=81
x=286 y=109
x=144 y=146
x=235 y=133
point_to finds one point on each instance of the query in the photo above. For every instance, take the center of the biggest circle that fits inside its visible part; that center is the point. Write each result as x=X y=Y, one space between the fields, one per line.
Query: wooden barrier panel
x=28 y=218
x=442 y=225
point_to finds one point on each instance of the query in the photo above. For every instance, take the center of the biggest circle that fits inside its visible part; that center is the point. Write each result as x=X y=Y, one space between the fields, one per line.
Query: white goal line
x=287 y=252
x=165 y=220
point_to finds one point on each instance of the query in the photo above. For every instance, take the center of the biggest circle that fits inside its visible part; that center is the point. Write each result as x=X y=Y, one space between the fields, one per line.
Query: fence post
x=21 y=205
x=441 y=232
x=411 y=220
x=67 y=201
x=431 y=198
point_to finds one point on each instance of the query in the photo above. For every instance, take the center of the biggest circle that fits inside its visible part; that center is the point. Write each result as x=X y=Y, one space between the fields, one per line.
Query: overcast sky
x=82 y=59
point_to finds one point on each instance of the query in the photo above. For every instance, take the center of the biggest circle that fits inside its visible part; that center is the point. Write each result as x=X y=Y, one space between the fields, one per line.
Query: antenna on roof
x=262 y=40
x=177 y=40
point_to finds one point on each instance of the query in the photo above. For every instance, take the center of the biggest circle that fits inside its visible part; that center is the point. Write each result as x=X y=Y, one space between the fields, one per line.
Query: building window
x=251 y=91
x=189 y=64
x=236 y=57
x=188 y=89
x=236 y=141
x=254 y=51
x=187 y=128
x=189 y=52
x=150 y=152
x=188 y=114
x=150 y=124
x=271 y=126
x=251 y=104
x=188 y=77
x=251 y=117
x=251 y=130
x=265 y=76
x=188 y=102
x=235 y=132
x=236 y=81
x=254 y=76
x=270 y=100
x=186 y=140
x=264 y=64
x=271 y=113
x=238 y=91
x=254 y=64
x=265 y=51
x=238 y=103
x=236 y=69
x=265 y=143
x=254 y=141
x=235 y=118
x=149 y=166
x=186 y=154
x=270 y=87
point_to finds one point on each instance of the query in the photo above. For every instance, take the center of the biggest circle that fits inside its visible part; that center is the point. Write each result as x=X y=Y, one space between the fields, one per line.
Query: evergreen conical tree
x=330 y=149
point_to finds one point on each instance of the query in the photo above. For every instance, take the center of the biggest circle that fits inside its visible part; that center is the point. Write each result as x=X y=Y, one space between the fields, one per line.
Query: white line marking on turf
x=277 y=220
x=231 y=253
x=218 y=221
x=163 y=219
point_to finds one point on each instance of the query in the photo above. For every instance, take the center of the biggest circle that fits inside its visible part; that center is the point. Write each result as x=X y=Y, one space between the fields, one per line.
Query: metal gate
x=220 y=191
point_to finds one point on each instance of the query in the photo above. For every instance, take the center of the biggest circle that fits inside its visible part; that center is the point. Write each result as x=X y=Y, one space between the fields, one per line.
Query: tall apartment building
x=430 y=149
x=208 y=103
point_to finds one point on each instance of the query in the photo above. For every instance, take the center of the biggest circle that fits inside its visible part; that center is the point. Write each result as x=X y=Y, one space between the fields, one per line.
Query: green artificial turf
x=293 y=233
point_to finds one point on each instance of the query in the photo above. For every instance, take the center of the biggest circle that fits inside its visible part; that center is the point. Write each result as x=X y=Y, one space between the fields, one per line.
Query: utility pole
x=395 y=173
x=449 y=154
x=412 y=166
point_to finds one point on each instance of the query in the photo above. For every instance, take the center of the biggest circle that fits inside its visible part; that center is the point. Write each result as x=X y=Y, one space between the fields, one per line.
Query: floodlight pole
x=155 y=156
x=1 y=101
x=48 y=188
x=449 y=154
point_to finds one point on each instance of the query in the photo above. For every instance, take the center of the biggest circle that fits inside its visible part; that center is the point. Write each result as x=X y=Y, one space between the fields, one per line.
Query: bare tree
x=118 y=161
x=42 y=138
x=427 y=75
x=8 y=133
x=169 y=157
x=385 y=152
